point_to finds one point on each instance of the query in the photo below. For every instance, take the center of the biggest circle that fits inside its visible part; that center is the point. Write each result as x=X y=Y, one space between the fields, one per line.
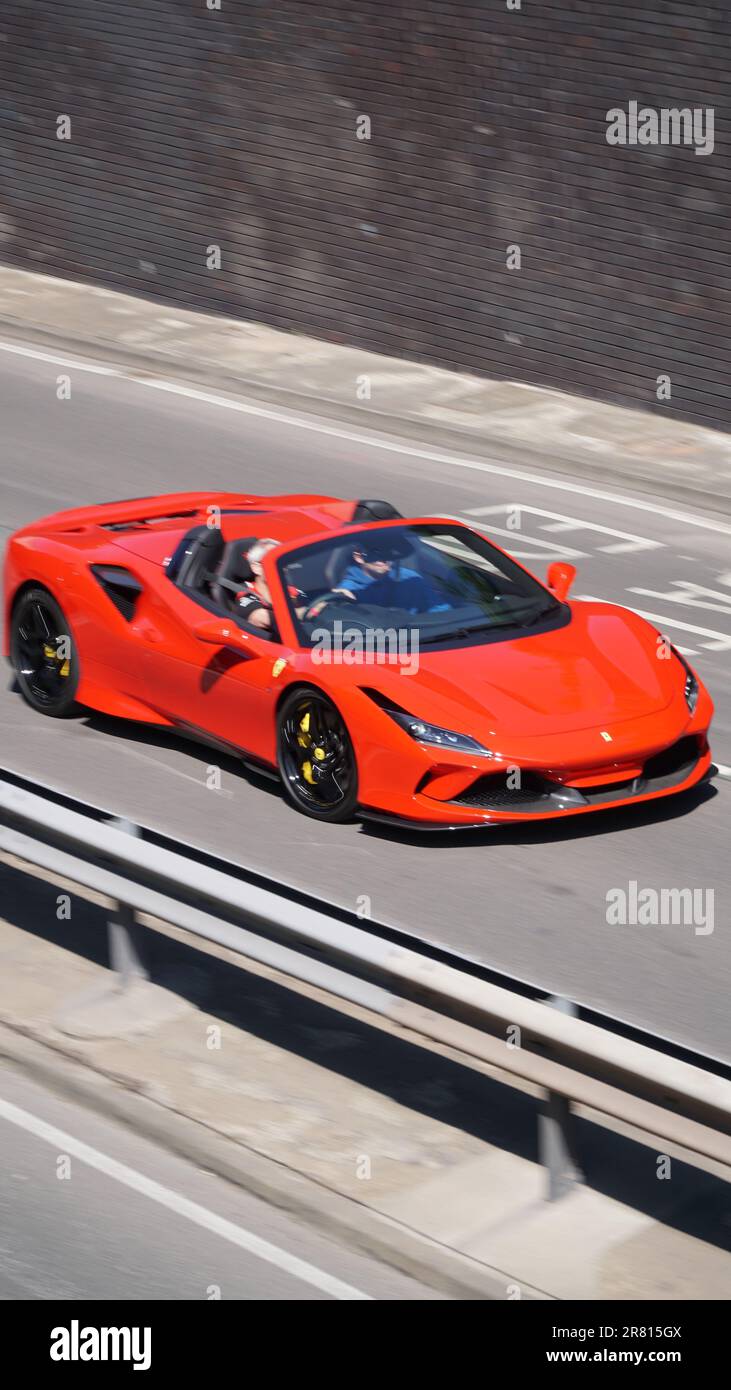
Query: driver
x=376 y=576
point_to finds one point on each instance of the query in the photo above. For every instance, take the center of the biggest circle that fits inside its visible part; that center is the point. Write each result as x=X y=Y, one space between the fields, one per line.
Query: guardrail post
x=555 y=1131
x=126 y=951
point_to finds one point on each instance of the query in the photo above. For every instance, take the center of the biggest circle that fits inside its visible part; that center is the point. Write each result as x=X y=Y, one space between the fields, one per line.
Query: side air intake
x=120 y=586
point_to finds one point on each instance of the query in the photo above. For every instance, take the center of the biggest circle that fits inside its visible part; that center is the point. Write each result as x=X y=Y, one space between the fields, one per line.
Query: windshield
x=442 y=582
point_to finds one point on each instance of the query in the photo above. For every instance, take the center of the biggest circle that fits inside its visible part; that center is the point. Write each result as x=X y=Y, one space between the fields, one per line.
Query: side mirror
x=221 y=633
x=559 y=578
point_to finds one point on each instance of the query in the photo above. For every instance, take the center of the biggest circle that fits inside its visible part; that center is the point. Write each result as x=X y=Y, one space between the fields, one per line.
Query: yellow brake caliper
x=52 y=655
x=304 y=739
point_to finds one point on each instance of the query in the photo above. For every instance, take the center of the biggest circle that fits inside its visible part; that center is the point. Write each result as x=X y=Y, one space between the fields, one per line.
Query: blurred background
x=242 y=127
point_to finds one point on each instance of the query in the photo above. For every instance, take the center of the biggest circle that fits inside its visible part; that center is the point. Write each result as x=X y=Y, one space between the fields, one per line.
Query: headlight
x=691 y=690
x=691 y=684
x=437 y=737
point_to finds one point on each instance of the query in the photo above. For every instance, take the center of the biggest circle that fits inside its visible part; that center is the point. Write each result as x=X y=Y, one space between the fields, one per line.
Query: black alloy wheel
x=43 y=653
x=316 y=758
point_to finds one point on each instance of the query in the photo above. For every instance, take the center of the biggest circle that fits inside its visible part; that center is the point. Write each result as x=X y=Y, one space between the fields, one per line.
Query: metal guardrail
x=572 y=1061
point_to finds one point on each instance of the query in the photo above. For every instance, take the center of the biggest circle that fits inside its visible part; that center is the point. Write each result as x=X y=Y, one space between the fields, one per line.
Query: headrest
x=201 y=546
x=375 y=509
x=235 y=565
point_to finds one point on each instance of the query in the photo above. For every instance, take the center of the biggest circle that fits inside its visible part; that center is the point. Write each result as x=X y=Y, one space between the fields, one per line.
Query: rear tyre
x=316 y=759
x=43 y=653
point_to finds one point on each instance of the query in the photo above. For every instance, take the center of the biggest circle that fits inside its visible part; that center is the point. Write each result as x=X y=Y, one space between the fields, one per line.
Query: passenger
x=254 y=600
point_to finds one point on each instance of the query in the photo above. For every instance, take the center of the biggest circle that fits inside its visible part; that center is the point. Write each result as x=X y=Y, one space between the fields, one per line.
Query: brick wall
x=237 y=127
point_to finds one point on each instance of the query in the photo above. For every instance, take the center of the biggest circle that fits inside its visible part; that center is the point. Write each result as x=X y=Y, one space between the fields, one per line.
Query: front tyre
x=44 y=654
x=316 y=759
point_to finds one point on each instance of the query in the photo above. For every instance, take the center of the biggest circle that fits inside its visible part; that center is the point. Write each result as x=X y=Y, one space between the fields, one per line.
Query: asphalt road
x=531 y=902
x=89 y=1210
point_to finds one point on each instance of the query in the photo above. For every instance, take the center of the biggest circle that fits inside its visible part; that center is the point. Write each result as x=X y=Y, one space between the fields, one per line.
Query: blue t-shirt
x=403 y=589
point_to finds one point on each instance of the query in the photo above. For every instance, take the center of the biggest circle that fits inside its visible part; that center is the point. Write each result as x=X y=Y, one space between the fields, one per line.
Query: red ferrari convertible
x=407 y=669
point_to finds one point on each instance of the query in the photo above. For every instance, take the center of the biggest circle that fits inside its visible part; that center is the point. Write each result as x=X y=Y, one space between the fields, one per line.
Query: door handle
x=147 y=631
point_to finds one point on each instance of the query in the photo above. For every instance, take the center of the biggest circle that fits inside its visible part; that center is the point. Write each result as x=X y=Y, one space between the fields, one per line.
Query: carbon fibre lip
x=431 y=827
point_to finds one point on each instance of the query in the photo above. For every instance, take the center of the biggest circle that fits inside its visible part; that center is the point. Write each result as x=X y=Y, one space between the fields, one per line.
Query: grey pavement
x=504 y=419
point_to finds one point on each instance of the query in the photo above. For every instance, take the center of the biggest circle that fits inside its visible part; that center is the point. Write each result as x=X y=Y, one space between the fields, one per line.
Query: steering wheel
x=329 y=596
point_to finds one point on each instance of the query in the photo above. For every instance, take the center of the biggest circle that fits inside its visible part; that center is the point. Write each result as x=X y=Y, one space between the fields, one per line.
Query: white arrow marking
x=625 y=541
x=721 y=640
x=689 y=593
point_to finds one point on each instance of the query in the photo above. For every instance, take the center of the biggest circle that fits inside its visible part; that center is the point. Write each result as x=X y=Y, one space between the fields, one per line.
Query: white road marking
x=692 y=595
x=372 y=441
x=723 y=771
x=624 y=547
x=721 y=640
x=623 y=543
x=94 y=369
x=200 y=1216
x=547 y=547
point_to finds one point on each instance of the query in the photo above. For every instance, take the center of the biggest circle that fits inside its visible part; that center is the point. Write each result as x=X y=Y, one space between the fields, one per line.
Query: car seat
x=195 y=557
x=234 y=571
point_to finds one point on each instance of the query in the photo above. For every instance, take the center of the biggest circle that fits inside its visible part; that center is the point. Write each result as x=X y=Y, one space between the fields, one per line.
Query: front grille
x=672 y=760
x=492 y=793
x=539 y=794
